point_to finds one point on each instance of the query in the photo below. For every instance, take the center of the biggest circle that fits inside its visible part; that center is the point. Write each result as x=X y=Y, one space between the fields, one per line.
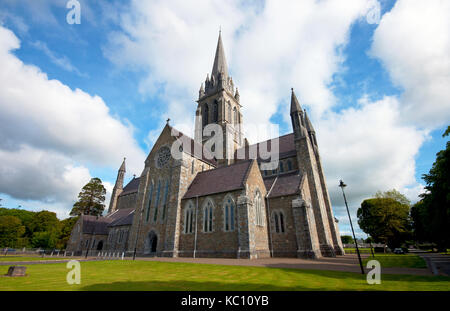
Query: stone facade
x=199 y=205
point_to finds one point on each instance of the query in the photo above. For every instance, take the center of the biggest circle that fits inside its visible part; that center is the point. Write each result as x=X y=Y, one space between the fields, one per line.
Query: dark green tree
x=44 y=221
x=385 y=220
x=44 y=239
x=91 y=199
x=432 y=217
x=11 y=230
x=347 y=239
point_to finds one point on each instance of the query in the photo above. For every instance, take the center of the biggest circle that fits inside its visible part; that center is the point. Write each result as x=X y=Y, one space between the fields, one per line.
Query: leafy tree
x=347 y=239
x=44 y=239
x=44 y=221
x=66 y=229
x=11 y=229
x=23 y=215
x=393 y=194
x=385 y=220
x=432 y=216
x=91 y=199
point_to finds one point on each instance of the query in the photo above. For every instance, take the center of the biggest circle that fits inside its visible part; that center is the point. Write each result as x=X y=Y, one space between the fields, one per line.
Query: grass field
x=393 y=260
x=161 y=276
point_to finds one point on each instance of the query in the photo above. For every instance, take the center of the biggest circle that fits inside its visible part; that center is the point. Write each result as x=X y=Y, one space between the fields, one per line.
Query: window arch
x=259 y=208
x=189 y=218
x=229 y=112
x=229 y=213
x=235 y=119
x=281 y=167
x=155 y=215
x=208 y=216
x=205 y=114
x=279 y=222
x=149 y=200
x=215 y=111
x=166 y=194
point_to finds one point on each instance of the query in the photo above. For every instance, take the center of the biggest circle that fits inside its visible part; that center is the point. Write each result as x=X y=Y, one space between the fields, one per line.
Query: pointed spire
x=220 y=63
x=122 y=167
x=309 y=126
x=295 y=106
x=236 y=95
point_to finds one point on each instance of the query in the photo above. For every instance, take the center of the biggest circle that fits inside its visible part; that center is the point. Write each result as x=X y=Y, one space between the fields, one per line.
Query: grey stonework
x=296 y=190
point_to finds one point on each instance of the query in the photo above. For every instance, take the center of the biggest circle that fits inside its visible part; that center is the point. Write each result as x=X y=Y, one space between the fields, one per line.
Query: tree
x=11 y=230
x=393 y=194
x=91 y=199
x=44 y=239
x=385 y=220
x=66 y=229
x=432 y=216
x=44 y=221
x=347 y=239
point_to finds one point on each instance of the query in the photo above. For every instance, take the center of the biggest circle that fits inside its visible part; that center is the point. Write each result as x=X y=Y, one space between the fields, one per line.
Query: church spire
x=220 y=62
x=309 y=126
x=118 y=188
x=295 y=106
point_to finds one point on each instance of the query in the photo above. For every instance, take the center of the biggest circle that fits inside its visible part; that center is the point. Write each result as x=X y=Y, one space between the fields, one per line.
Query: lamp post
x=342 y=185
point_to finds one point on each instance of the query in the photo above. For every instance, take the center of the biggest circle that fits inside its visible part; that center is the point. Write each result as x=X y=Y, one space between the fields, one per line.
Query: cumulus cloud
x=413 y=43
x=50 y=133
x=369 y=148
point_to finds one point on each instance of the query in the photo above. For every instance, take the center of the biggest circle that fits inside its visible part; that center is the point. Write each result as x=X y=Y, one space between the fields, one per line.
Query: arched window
x=215 y=112
x=289 y=164
x=235 y=119
x=229 y=214
x=189 y=218
x=155 y=215
x=278 y=219
x=259 y=208
x=149 y=204
x=208 y=217
x=281 y=167
x=205 y=114
x=166 y=194
x=229 y=113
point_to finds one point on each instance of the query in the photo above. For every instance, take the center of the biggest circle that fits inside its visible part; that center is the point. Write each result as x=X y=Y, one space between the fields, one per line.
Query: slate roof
x=194 y=148
x=122 y=217
x=285 y=184
x=222 y=179
x=99 y=225
x=286 y=147
x=131 y=187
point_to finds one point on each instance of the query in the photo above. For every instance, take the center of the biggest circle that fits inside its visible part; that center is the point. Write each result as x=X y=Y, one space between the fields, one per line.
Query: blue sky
x=378 y=107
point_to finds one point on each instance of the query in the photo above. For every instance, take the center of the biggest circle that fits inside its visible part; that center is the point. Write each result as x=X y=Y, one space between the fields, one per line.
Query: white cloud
x=413 y=42
x=370 y=149
x=50 y=133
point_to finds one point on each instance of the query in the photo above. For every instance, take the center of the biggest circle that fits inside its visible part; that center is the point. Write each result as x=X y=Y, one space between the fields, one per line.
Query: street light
x=342 y=185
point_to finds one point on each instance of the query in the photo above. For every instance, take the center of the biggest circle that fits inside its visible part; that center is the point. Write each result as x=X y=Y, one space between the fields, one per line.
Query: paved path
x=347 y=263
x=439 y=264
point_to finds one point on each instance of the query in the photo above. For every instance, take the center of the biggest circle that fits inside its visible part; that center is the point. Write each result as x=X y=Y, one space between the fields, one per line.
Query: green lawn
x=393 y=260
x=150 y=275
x=29 y=258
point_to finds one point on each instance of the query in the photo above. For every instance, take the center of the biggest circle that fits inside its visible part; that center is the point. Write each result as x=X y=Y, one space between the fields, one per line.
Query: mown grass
x=402 y=261
x=160 y=276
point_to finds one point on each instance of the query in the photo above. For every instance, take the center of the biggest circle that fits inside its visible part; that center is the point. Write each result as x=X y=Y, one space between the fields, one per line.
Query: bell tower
x=219 y=103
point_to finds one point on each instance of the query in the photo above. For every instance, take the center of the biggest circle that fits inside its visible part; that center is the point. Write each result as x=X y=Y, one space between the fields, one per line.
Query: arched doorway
x=152 y=242
x=100 y=246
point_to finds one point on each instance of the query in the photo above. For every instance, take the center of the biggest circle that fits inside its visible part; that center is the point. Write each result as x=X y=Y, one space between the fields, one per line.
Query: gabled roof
x=194 y=148
x=222 y=179
x=131 y=187
x=283 y=184
x=286 y=147
x=99 y=225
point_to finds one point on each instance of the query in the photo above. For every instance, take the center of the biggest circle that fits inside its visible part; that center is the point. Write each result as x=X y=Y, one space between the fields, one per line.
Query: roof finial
x=168 y=120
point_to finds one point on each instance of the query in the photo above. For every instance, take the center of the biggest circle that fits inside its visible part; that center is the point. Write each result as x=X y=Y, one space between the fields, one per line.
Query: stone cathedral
x=196 y=205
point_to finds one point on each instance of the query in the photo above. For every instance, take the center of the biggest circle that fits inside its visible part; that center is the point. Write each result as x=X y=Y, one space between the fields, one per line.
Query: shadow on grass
x=188 y=286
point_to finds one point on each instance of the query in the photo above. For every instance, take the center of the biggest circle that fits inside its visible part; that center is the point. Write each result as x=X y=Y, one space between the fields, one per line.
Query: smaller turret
x=237 y=96
x=201 y=92
x=297 y=118
x=118 y=188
